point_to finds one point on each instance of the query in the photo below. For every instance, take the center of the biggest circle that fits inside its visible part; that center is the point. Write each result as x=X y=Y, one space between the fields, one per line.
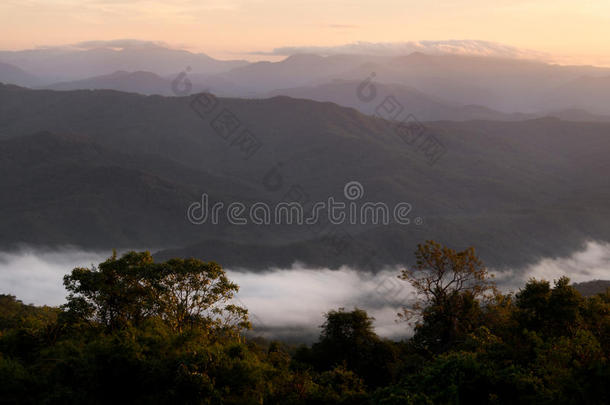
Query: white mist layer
x=297 y=297
x=450 y=47
x=590 y=263
x=36 y=276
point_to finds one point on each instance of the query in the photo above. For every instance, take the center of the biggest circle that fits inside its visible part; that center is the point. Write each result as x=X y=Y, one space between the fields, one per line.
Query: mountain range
x=439 y=87
x=14 y=75
x=342 y=92
x=88 y=60
x=101 y=168
x=140 y=82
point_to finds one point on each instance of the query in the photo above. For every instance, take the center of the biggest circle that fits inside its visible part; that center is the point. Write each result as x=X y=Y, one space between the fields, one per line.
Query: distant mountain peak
x=303 y=57
x=10 y=73
x=95 y=58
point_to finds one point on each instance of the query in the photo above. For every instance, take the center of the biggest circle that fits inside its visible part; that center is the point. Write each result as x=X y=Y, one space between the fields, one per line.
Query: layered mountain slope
x=66 y=189
x=518 y=190
x=11 y=74
x=410 y=101
x=94 y=59
x=140 y=82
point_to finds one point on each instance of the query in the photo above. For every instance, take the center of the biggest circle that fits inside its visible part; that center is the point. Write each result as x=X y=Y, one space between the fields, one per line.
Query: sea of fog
x=292 y=302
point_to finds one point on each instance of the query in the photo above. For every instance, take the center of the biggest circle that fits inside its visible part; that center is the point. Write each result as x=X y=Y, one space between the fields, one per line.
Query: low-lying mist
x=290 y=303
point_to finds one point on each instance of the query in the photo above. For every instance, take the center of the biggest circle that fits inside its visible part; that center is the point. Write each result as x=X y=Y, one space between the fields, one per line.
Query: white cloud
x=299 y=296
x=119 y=43
x=590 y=263
x=36 y=276
x=455 y=47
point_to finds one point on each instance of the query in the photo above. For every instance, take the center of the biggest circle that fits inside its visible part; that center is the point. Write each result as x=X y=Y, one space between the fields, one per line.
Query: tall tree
x=448 y=286
x=183 y=293
x=349 y=339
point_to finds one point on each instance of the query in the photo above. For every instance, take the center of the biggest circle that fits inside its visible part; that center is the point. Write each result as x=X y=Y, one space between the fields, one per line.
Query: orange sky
x=571 y=31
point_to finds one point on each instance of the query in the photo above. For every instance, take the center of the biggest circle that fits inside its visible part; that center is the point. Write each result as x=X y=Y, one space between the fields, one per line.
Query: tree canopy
x=131 y=289
x=136 y=331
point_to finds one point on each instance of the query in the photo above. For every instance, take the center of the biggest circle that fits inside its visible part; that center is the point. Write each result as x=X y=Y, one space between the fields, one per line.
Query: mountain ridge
x=516 y=170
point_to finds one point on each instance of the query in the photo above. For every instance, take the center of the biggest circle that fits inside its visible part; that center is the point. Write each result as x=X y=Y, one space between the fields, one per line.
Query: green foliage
x=553 y=311
x=13 y=314
x=349 y=340
x=449 y=286
x=128 y=290
x=135 y=331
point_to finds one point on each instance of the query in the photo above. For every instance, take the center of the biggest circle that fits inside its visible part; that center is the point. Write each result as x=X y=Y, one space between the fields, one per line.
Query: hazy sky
x=573 y=31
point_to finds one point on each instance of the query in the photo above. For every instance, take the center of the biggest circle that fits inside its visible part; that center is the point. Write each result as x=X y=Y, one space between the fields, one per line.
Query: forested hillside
x=103 y=169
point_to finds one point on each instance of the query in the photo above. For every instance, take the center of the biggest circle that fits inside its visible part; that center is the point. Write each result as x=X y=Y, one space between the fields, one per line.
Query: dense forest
x=143 y=332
